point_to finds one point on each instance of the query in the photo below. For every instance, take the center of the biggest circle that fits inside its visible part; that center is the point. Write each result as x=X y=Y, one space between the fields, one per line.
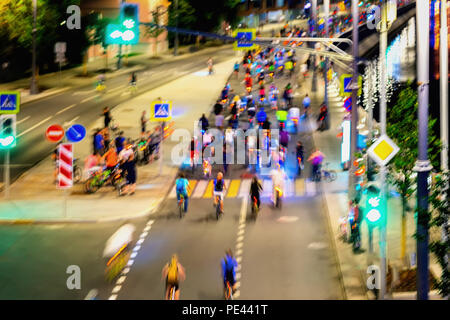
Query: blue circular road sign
x=76 y=133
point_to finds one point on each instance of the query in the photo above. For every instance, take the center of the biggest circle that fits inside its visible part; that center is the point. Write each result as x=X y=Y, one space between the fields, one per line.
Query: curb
x=144 y=213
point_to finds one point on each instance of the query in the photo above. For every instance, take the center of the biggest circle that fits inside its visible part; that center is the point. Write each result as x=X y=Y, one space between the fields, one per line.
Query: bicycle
x=101 y=177
x=277 y=198
x=328 y=175
x=181 y=206
x=218 y=207
x=172 y=292
x=132 y=87
x=255 y=208
x=77 y=172
x=228 y=291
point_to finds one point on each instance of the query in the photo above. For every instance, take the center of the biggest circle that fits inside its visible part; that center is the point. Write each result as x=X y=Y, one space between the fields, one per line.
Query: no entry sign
x=54 y=133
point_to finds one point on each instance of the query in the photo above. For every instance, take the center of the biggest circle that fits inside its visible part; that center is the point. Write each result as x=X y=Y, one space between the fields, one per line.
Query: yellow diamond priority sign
x=383 y=150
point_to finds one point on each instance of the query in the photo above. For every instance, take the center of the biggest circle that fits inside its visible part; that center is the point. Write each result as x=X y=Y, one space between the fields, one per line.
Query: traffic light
x=8 y=131
x=374 y=214
x=129 y=21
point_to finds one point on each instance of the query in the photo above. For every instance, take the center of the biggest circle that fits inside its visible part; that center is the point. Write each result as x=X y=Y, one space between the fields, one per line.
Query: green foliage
x=441 y=248
x=96 y=28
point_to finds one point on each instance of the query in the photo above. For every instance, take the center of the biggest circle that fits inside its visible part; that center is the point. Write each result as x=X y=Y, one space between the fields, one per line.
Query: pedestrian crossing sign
x=383 y=150
x=243 y=39
x=346 y=85
x=161 y=111
x=9 y=102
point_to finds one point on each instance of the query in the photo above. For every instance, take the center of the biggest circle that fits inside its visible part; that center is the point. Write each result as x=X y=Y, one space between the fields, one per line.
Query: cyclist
x=229 y=265
x=278 y=177
x=182 y=187
x=236 y=69
x=299 y=153
x=133 y=79
x=255 y=188
x=173 y=272
x=204 y=123
x=273 y=96
x=316 y=159
x=261 y=116
x=281 y=117
x=111 y=157
x=219 y=189
x=101 y=80
x=306 y=104
x=123 y=236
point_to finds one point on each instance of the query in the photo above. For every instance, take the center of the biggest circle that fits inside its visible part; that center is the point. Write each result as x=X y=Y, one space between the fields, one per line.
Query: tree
x=441 y=248
x=96 y=30
x=402 y=128
x=154 y=31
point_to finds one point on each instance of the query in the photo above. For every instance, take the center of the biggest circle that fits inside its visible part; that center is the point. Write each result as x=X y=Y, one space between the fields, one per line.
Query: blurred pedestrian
x=143 y=123
x=130 y=167
x=107 y=117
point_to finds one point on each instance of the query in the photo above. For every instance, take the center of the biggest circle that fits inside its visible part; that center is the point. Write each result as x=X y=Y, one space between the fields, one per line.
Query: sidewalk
x=354 y=267
x=53 y=83
x=34 y=198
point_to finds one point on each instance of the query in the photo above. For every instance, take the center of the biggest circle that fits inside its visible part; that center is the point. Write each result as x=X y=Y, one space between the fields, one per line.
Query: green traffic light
x=7 y=142
x=373 y=215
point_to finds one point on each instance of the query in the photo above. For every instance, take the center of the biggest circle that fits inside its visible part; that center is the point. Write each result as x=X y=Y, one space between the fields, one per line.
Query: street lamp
x=33 y=86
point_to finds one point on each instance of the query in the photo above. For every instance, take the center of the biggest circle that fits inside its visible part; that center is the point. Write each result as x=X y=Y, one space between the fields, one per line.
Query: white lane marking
x=87 y=99
x=244 y=188
x=66 y=108
x=240 y=242
x=144 y=234
x=23 y=120
x=133 y=255
x=121 y=279
x=116 y=289
x=83 y=92
x=35 y=126
x=67 y=123
x=91 y=294
x=173 y=192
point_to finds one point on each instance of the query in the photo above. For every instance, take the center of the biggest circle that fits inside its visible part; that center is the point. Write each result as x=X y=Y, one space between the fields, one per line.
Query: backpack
x=172 y=274
x=219 y=185
x=228 y=270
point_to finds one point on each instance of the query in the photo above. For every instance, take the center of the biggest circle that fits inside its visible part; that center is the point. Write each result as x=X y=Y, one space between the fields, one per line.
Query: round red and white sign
x=54 y=133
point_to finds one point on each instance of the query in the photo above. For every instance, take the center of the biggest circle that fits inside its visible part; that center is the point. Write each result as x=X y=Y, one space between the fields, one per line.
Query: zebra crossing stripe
x=227 y=185
x=209 y=189
x=233 y=189
x=191 y=188
x=267 y=188
x=310 y=187
x=200 y=190
x=300 y=187
x=245 y=188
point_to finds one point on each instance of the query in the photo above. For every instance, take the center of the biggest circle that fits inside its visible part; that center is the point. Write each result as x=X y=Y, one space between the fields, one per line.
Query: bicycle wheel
x=172 y=293
x=91 y=185
x=180 y=208
x=77 y=173
x=332 y=175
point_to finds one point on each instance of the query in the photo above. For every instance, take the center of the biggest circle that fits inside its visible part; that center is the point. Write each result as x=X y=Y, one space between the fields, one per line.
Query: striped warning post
x=65 y=175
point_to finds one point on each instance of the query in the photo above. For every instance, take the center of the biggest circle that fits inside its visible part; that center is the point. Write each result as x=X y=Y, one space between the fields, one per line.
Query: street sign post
x=76 y=133
x=65 y=169
x=54 y=133
x=346 y=85
x=9 y=102
x=161 y=111
x=383 y=150
x=7 y=141
x=244 y=39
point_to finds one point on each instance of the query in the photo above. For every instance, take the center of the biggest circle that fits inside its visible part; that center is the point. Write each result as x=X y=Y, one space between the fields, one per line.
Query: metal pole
x=314 y=13
x=383 y=185
x=119 y=60
x=443 y=63
x=33 y=86
x=354 y=112
x=6 y=177
x=423 y=164
x=175 y=48
x=326 y=4
x=161 y=149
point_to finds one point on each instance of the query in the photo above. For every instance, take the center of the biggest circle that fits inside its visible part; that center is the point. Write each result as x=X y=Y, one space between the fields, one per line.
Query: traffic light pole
x=6 y=176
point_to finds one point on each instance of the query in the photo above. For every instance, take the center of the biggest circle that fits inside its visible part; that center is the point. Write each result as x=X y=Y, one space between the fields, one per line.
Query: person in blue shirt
x=261 y=116
x=229 y=265
x=182 y=186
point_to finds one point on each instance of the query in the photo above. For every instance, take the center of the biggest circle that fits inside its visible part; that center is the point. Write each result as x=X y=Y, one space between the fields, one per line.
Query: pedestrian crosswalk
x=238 y=188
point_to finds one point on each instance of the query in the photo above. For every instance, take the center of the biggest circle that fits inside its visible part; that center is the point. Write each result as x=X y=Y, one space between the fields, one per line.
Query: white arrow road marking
x=66 y=108
x=34 y=127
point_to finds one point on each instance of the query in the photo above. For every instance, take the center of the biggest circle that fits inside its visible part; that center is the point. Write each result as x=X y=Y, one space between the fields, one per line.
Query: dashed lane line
x=66 y=108
x=239 y=244
x=35 y=126
x=126 y=270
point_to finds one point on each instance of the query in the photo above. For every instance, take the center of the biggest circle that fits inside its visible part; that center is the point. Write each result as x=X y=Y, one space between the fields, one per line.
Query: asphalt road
x=83 y=105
